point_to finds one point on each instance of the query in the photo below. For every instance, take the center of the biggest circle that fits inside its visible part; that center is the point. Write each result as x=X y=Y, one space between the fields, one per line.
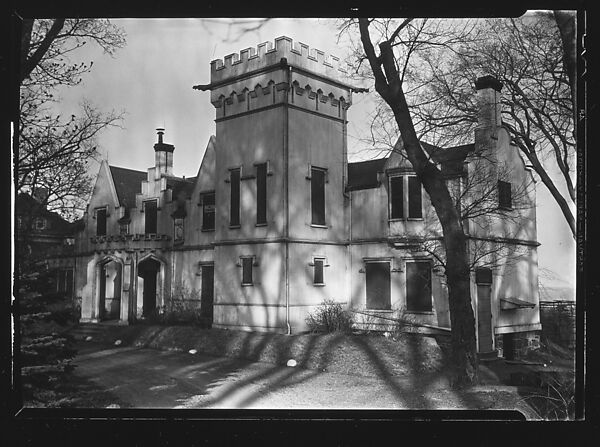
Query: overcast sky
x=151 y=80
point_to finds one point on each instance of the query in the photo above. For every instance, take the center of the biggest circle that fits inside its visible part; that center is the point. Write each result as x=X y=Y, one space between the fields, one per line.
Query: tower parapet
x=267 y=54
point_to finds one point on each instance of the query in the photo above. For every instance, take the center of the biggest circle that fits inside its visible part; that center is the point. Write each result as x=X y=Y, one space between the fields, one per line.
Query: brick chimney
x=163 y=156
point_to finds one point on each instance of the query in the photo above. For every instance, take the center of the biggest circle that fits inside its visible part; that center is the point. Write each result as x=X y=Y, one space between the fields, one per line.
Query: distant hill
x=557 y=293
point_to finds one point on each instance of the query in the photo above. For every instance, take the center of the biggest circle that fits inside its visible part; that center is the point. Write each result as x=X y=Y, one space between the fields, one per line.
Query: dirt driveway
x=149 y=378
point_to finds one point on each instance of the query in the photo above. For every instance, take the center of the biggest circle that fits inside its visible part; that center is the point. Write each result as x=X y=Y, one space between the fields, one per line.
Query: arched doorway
x=110 y=286
x=148 y=272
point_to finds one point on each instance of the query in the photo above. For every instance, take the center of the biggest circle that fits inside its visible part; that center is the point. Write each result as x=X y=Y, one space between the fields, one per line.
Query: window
x=178 y=229
x=208 y=211
x=261 y=194
x=418 y=286
x=403 y=205
x=150 y=215
x=65 y=282
x=247 y=263
x=124 y=228
x=101 y=222
x=40 y=224
x=234 y=212
x=504 y=195
x=318 y=265
x=397 y=197
x=317 y=195
x=414 y=198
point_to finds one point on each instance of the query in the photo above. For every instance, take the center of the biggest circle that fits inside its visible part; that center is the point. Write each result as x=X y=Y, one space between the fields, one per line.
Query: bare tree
x=527 y=56
x=397 y=43
x=54 y=151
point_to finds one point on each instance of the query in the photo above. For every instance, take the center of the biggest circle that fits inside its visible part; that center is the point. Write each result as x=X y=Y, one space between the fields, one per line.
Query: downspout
x=286 y=195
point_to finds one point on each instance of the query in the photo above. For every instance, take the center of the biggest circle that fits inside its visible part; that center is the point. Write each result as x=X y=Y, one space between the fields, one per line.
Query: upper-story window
x=234 y=210
x=124 y=228
x=207 y=200
x=101 y=221
x=178 y=229
x=504 y=195
x=40 y=223
x=317 y=195
x=261 y=194
x=150 y=216
x=405 y=197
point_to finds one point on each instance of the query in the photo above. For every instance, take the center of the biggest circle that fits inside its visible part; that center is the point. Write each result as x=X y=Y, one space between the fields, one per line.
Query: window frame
x=155 y=211
x=405 y=189
x=323 y=193
x=203 y=196
x=104 y=211
x=261 y=193
x=430 y=307
x=247 y=261
x=178 y=222
x=237 y=222
x=504 y=189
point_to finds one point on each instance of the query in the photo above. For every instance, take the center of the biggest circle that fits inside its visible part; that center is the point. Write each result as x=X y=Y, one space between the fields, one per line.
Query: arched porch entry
x=108 y=274
x=151 y=280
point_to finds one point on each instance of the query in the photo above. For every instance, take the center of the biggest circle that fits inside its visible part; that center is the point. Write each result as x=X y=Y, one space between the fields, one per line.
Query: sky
x=151 y=80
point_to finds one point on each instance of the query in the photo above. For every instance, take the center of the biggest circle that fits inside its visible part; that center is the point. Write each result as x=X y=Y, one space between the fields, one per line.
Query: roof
x=363 y=174
x=128 y=183
x=183 y=186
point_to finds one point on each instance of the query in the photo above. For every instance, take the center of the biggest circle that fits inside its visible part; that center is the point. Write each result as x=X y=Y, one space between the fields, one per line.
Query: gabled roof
x=128 y=182
x=363 y=174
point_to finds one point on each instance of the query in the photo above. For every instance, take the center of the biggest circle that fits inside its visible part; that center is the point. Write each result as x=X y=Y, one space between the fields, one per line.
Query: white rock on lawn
x=88 y=338
x=192 y=351
x=117 y=343
x=291 y=362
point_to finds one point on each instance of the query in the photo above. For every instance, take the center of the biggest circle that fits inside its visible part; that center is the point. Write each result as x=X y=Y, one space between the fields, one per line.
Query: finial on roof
x=160 y=131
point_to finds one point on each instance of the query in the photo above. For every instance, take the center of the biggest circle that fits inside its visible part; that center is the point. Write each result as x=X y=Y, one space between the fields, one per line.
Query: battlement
x=268 y=54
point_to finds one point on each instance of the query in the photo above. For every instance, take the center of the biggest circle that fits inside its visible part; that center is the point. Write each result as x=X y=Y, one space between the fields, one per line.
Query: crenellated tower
x=281 y=161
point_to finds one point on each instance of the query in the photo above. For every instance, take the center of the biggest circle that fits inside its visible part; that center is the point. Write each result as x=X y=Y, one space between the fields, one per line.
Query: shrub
x=329 y=317
x=182 y=308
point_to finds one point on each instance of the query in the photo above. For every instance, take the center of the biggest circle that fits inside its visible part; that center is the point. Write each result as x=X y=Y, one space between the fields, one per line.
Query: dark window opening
x=247 y=271
x=150 y=216
x=178 y=229
x=208 y=211
x=124 y=229
x=414 y=198
x=318 y=271
x=101 y=222
x=504 y=194
x=234 y=212
x=378 y=285
x=317 y=195
x=396 y=197
x=418 y=286
x=261 y=193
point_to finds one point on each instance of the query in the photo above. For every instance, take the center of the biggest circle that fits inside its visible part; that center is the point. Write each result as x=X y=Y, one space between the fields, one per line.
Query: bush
x=329 y=317
x=183 y=308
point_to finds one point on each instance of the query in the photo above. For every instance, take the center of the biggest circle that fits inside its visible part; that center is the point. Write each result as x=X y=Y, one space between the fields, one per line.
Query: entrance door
x=484 y=318
x=207 y=294
x=148 y=271
x=378 y=285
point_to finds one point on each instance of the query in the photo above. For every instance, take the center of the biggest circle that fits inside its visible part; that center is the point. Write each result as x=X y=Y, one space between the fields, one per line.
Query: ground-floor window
x=418 y=286
x=247 y=263
x=378 y=285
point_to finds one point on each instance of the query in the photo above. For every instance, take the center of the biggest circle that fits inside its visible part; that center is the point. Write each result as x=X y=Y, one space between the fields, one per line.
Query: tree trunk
x=389 y=86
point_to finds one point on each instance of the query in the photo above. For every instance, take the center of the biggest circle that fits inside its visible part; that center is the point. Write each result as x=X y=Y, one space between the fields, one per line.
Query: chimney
x=163 y=156
x=488 y=101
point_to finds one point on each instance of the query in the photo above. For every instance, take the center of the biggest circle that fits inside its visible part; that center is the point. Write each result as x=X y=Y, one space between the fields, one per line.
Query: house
x=276 y=219
x=45 y=241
